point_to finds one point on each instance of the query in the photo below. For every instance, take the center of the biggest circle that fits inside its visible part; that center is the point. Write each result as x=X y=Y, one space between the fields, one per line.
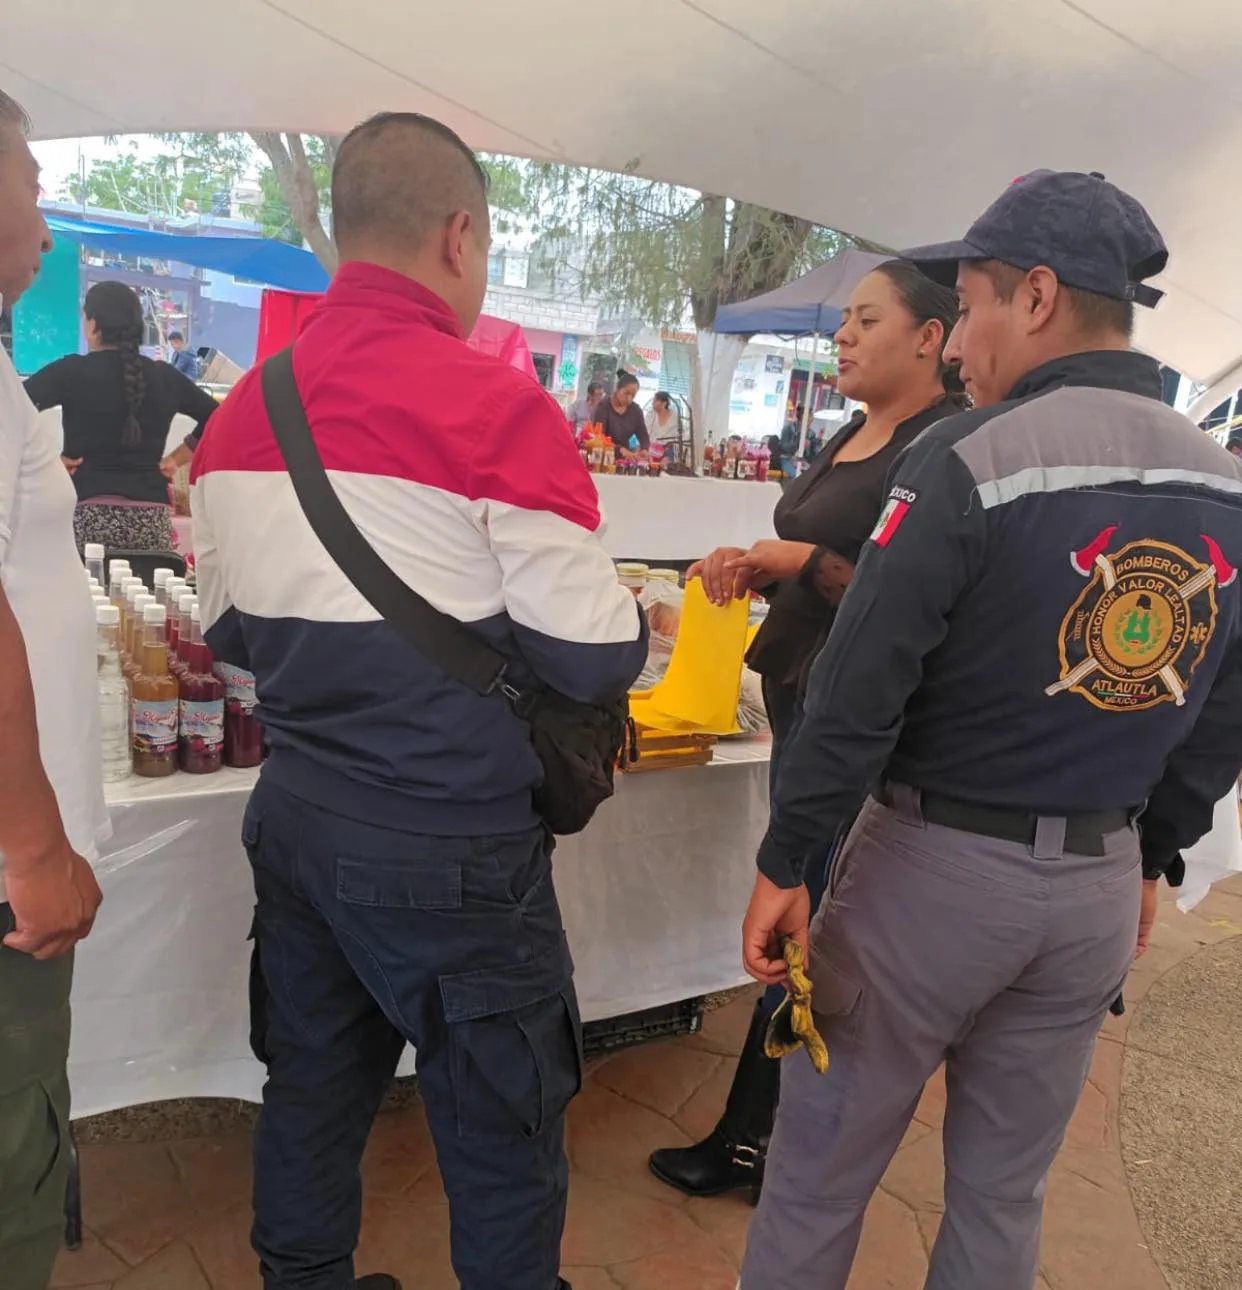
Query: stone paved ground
x=173 y=1215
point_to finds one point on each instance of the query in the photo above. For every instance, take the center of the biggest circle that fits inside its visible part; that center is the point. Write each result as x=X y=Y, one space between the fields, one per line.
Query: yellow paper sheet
x=699 y=691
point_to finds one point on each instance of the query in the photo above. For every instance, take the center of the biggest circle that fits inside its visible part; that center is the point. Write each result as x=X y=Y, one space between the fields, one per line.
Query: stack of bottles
x=602 y=458
x=736 y=458
x=165 y=704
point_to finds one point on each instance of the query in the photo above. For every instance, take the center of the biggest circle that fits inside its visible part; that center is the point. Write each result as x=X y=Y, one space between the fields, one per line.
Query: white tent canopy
x=894 y=120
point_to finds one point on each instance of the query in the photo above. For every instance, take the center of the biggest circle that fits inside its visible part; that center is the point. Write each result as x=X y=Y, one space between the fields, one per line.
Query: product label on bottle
x=155 y=725
x=203 y=724
x=238 y=685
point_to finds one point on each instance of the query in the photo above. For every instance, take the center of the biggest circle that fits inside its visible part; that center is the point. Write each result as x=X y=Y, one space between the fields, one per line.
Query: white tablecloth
x=673 y=518
x=652 y=896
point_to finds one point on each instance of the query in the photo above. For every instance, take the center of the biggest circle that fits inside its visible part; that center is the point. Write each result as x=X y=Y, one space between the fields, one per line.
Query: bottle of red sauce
x=200 y=744
x=243 y=735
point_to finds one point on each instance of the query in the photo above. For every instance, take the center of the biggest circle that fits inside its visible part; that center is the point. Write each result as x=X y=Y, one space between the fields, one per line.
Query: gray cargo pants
x=937 y=945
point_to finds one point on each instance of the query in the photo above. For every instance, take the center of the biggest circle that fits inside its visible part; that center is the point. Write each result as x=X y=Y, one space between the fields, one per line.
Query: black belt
x=1084 y=833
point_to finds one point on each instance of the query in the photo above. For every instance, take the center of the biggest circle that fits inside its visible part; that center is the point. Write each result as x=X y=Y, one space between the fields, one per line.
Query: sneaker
x=378 y=1281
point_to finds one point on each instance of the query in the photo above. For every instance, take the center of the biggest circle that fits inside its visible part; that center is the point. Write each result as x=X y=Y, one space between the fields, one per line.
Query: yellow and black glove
x=792 y=1025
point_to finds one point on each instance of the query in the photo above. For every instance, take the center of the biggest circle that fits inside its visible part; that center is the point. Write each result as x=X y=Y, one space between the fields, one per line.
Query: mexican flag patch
x=895 y=510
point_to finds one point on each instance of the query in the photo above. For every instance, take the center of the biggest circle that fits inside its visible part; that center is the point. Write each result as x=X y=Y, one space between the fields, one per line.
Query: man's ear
x=1040 y=292
x=459 y=227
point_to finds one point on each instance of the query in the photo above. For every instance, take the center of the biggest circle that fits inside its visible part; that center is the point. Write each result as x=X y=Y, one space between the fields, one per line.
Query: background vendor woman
x=622 y=418
x=890 y=344
x=117 y=408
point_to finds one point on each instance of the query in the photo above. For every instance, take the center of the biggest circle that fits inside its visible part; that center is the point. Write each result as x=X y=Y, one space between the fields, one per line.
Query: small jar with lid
x=632 y=575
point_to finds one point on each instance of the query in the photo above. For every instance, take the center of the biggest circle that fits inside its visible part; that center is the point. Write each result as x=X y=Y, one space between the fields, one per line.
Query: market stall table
x=652 y=895
x=683 y=518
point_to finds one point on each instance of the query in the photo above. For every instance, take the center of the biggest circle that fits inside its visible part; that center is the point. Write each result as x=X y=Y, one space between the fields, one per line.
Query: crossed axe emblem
x=1092 y=557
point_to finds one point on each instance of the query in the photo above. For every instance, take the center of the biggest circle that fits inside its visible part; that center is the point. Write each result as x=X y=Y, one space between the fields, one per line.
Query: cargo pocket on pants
x=515 y=1044
x=257 y=990
x=836 y=1000
x=33 y=1164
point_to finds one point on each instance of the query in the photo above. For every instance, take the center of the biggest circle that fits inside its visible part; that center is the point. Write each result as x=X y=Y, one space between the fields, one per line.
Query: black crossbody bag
x=580 y=745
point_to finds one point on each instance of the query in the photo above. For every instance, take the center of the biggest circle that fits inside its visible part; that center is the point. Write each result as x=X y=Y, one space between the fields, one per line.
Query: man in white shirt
x=51 y=794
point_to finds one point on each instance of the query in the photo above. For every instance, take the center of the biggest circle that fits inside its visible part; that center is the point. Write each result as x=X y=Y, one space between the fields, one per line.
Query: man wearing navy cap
x=1040 y=655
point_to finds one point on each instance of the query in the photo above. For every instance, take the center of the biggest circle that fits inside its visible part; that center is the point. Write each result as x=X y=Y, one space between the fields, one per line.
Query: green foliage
x=655 y=249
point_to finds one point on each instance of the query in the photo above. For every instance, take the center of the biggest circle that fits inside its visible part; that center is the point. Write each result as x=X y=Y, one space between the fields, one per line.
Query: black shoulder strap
x=440 y=638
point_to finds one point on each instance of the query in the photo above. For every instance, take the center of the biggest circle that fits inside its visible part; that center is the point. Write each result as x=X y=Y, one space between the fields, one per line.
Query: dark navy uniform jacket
x=1047 y=618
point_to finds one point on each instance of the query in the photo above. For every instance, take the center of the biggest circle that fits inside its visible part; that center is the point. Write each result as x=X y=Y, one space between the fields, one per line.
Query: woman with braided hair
x=117 y=406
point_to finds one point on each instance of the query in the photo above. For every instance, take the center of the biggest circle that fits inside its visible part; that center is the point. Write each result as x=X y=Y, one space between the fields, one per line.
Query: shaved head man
x=402 y=868
x=409 y=194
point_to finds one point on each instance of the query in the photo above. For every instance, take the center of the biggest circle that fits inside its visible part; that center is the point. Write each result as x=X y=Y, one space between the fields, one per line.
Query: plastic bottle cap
x=114 y=565
x=194 y=618
x=94 y=551
x=154 y=615
x=161 y=576
x=101 y=598
x=133 y=590
x=107 y=615
x=141 y=601
x=186 y=603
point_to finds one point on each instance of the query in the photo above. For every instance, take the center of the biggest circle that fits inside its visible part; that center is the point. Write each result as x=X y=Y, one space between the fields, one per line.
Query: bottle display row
x=165 y=703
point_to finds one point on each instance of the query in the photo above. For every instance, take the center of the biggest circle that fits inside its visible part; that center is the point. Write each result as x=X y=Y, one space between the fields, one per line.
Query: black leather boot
x=731 y=1157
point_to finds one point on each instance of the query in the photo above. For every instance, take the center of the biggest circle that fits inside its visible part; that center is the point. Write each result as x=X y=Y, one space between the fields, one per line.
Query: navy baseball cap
x=1086 y=230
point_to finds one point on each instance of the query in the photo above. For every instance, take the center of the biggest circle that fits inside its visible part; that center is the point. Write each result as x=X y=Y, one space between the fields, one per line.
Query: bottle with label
x=93 y=554
x=114 y=700
x=132 y=637
x=155 y=701
x=243 y=735
x=201 y=742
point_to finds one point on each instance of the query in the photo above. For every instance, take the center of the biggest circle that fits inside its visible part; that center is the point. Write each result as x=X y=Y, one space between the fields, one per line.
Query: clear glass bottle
x=114 y=697
x=118 y=571
x=155 y=702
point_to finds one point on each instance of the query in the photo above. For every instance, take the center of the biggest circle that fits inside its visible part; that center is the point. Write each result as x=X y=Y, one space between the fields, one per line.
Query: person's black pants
x=364 y=938
x=784 y=705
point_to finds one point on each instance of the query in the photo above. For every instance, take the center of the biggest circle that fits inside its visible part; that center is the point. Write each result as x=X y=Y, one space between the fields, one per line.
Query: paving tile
x=724 y=1029
x=399 y=1153
x=93 y=1263
x=216 y=1173
x=606 y=1227
x=662 y=1077
x=409 y=1241
x=726 y=1220
x=221 y=1243
x=700 y=1115
x=589 y=1278
x=693 y=1262
x=916 y=1175
x=172 y=1268
x=891 y=1254
x=133 y=1198
x=1091 y=1236
x=930 y=1110
x=610 y=1138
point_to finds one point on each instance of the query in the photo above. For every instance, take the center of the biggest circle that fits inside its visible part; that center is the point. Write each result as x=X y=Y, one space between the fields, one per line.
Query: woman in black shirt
x=890 y=344
x=117 y=406
x=622 y=418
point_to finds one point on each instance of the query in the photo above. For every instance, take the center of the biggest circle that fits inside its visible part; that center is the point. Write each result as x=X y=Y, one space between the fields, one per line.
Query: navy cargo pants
x=364 y=938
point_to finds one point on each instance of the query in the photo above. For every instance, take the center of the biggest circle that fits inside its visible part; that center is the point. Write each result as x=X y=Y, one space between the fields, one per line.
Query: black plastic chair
x=145 y=563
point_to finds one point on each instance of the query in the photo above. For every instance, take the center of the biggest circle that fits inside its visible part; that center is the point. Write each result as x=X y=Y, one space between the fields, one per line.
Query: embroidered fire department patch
x=1142 y=624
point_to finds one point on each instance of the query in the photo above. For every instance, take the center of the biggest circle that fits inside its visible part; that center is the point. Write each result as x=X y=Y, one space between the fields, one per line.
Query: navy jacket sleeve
x=1196 y=777
x=926 y=549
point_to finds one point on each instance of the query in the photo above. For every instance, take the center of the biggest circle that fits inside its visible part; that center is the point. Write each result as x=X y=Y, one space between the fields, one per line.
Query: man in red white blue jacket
x=403 y=879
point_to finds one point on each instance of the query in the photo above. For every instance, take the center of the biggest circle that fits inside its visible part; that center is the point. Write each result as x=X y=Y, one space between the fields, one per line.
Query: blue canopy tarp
x=260 y=259
x=807 y=306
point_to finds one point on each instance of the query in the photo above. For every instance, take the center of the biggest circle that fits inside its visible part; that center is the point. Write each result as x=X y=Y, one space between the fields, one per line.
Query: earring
x=922 y=353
